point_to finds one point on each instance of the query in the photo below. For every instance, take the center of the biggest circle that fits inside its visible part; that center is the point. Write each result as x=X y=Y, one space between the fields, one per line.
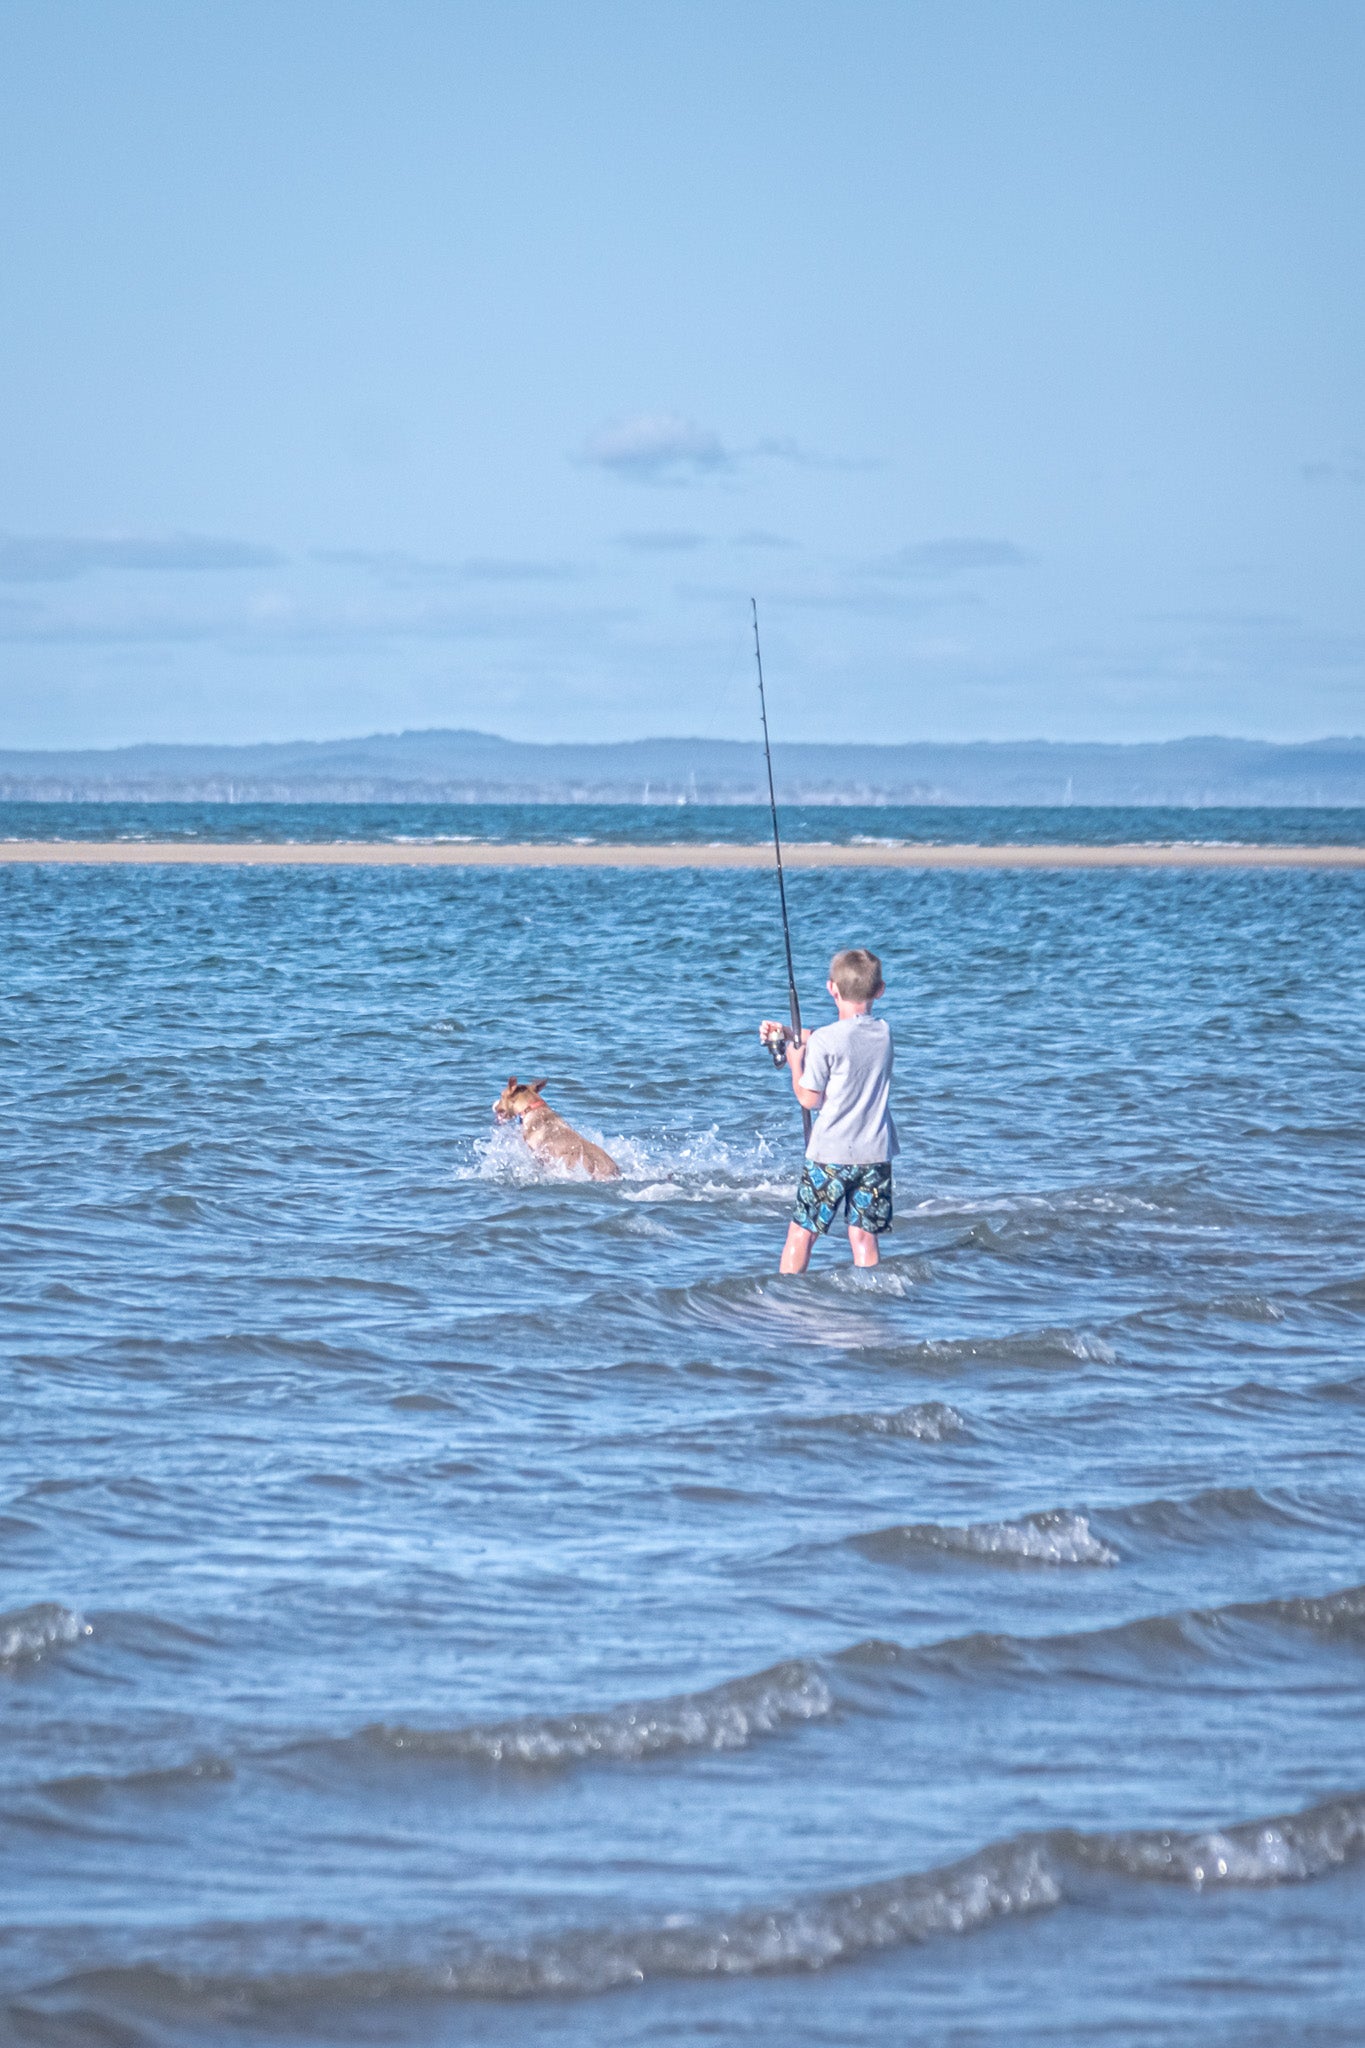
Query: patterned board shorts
x=864 y=1192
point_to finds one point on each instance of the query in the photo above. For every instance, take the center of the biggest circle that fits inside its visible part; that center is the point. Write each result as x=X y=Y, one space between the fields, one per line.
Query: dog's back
x=548 y=1135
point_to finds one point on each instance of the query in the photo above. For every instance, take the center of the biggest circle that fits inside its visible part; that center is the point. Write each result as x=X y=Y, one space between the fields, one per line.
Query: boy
x=844 y=1071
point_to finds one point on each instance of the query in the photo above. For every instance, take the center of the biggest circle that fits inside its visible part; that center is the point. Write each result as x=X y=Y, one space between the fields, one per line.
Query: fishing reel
x=775 y=1042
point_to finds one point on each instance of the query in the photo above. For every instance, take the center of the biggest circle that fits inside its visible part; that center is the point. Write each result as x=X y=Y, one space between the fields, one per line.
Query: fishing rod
x=778 y=1053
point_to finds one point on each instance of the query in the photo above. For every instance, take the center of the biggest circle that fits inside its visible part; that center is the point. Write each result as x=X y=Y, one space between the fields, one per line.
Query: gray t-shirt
x=849 y=1063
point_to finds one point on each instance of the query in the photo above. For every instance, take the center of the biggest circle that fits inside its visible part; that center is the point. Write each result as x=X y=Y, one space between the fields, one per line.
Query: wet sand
x=800 y=854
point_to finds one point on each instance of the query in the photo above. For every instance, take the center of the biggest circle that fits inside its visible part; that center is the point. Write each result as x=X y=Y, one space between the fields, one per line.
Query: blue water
x=440 y=1603
x=692 y=824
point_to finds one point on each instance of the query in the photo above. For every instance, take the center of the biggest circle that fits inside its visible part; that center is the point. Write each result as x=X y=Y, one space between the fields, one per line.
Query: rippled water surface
x=692 y=824
x=448 y=1604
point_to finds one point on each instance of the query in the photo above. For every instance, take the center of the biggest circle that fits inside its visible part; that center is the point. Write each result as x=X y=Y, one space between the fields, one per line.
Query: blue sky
x=368 y=366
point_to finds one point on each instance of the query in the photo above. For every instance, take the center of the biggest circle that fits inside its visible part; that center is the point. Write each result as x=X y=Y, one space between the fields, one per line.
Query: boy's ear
x=536 y=1086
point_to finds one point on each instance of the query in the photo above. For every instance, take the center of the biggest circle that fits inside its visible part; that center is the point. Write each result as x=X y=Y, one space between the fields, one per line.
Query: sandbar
x=679 y=854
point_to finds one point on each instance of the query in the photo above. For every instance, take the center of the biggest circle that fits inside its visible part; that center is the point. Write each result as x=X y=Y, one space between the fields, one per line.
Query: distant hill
x=476 y=767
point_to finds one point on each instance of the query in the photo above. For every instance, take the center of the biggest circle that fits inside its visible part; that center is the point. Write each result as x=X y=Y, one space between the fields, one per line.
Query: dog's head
x=516 y=1098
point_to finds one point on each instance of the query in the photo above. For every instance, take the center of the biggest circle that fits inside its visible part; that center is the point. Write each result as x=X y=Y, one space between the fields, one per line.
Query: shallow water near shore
x=441 y=1603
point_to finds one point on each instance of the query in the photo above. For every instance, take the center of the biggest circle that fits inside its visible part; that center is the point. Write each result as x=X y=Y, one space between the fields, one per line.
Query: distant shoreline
x=796 y=854
x=446 y=766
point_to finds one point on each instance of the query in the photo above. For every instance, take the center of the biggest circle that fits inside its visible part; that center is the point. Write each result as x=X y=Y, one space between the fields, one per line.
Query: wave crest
x=1287 y=1850
x=727 y=1716
x=1328 y=1614
x=1054 y=1536
x=1024 y=1875
x=928 y=1422
x=29 y=1633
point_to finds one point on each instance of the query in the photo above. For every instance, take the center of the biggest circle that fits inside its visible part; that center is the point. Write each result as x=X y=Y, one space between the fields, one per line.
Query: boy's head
x=857 y=974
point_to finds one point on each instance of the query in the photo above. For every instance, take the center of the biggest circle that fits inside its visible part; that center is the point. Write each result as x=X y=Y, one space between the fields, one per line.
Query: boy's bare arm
x=809 y=1098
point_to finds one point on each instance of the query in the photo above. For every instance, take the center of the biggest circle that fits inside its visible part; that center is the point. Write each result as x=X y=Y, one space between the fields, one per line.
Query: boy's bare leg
x=796 y=1251
x=864 y=1248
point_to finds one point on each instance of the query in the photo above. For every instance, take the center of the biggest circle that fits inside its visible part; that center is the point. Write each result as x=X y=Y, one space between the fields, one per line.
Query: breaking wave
x=1290 y=1849
x=1051 y=1345
x=929 y=1422
x=1024 y=1875
x=1055 y=1536
x=1144 y=1648
x=31 y=1633
x=739 y=1711
x=1064 y=1535
x=1326 y=1614
x=728 y=1716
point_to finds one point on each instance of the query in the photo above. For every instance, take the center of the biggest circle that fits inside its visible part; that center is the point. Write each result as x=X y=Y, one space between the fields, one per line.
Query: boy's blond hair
x=857 y=974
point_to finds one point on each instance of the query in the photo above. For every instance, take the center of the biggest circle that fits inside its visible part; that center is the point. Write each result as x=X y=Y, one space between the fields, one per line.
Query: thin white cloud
x=668 y=447
x=662 y=541
x=824 y=591
x=656 y=447
x=756 y=537
x=274 y=621
x=398 y=569
x=784 y=448
x=934 y=559
x=389 y=564
x=514 y=569
x=60 y=557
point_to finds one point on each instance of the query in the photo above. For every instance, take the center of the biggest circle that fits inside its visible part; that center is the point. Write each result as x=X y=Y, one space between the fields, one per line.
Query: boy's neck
x=847 y=1010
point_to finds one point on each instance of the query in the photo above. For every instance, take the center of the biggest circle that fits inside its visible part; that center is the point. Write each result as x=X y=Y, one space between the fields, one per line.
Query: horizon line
x=670 y=739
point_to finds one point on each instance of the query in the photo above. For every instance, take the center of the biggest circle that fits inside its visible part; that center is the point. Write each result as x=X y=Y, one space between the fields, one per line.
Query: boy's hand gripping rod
x=777 y=1050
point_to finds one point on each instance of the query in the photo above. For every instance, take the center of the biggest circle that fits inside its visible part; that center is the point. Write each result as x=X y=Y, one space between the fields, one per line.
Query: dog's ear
x=536 y=1086
x=511 y=1080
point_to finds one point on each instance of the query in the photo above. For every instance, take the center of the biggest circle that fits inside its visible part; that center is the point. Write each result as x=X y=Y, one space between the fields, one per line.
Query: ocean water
x=607 y=824
x=441 y=1603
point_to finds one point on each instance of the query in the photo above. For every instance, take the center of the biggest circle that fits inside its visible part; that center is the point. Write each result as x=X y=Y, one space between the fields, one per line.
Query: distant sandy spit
x=800 y=854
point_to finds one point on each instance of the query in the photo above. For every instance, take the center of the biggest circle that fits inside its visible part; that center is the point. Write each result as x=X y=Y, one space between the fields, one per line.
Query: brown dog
x=547 y=1134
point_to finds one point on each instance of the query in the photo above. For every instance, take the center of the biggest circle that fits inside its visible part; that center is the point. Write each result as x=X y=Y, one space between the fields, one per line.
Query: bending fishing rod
x=779 y=1055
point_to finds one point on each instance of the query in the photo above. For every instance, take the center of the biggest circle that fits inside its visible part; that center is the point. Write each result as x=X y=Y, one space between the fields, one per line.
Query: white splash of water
x=696 y=1166
x=1056 y=1536
x=30 y=1632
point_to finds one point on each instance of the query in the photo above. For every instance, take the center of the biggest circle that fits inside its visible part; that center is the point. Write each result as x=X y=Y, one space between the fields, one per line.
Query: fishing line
x=777 y=849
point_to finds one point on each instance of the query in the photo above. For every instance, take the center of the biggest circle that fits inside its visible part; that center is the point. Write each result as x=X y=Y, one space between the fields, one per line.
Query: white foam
x=729 y=1716
x=665 y=1167
x=900 y=1278
x=28 y=1633
x=930 y=1422
x=1288 y=1850
x=1084 y=1344
x=710 y=1191
x=1004 y=1881
x=505 y=1157
x=1083 y=1201
x=1054 y=1536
